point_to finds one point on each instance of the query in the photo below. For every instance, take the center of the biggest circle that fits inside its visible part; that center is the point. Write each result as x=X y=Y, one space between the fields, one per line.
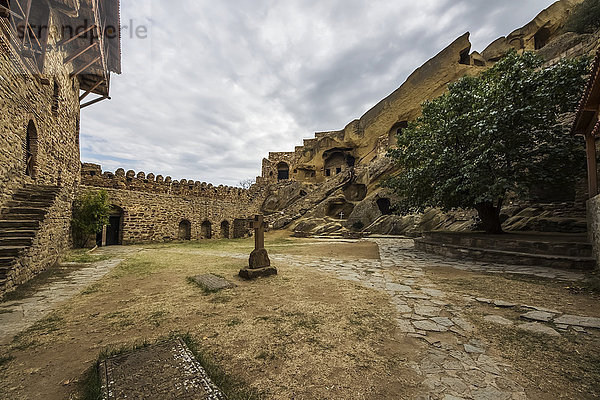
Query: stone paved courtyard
x=453 y=358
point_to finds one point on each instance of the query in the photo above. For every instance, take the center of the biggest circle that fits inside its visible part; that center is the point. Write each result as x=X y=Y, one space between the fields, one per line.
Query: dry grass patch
x=300 y=334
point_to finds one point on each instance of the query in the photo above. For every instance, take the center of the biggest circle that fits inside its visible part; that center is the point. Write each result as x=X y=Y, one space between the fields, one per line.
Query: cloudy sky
x=215 y=85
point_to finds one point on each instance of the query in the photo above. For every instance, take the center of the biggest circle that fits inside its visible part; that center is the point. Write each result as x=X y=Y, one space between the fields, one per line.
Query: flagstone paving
x=16 y=316
x=165 y=371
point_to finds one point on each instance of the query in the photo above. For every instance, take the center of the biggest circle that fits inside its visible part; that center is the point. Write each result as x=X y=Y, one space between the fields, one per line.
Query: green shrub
x=91 y=211
x=585 y=17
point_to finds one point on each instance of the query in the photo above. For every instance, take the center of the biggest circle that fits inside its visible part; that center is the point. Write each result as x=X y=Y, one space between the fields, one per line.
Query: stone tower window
x=283 y=171
x=77 y=130
x=55 y=98
x=31 y=146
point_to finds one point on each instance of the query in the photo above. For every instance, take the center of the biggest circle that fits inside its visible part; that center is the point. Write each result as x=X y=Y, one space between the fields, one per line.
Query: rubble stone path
x=18 y=315
x=454 y=367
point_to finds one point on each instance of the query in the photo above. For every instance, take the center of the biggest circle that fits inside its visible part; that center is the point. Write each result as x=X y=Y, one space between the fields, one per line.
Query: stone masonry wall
x=155 y=217
x=593 y=210
x=28 y=99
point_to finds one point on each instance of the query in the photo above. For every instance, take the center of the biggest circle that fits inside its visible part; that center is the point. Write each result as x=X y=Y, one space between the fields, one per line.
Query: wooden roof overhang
x=587 y=123
x=94 y=47
x=91 y=38
x=586 y=119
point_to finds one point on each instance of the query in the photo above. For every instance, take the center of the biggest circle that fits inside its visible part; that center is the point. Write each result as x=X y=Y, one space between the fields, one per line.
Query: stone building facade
x=44 y=67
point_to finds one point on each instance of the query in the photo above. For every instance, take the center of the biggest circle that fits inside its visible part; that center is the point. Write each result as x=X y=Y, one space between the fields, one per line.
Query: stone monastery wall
x=151 y=208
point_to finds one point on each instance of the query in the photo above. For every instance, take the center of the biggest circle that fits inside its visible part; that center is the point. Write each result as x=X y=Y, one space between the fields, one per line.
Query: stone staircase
x=20 y=220
x=564 y=251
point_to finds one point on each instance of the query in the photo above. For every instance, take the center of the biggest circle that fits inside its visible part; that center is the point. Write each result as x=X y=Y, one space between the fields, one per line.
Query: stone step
x=39 y=189
x=506 y=257
x=25 y=233
x=6 y=262
x=562 y=245
x=10 y=251
x=28 y=203
x=26 y=210
x=16 y=241
x=4 y=272
x=19 y=224
x=22 y=217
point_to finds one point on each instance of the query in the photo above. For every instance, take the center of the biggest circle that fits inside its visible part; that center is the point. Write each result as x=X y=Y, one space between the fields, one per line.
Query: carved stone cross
x=259 y=232
x=258 y=263
x=342 y=215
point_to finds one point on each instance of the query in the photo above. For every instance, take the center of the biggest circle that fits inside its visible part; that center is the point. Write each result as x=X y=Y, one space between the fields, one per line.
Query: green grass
x=83 y=256
x=141 y=265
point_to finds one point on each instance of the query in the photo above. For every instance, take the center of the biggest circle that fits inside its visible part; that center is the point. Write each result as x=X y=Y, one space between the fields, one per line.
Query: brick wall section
x=92 y=175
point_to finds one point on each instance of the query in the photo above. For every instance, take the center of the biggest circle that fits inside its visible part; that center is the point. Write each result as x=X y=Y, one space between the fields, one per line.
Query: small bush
x=585 y=17
x=91 y=211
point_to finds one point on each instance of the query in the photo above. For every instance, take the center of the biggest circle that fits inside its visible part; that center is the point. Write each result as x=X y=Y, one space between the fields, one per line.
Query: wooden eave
x=586 y=119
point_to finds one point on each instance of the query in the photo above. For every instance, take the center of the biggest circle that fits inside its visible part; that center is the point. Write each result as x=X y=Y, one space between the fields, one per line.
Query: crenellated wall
x=156 y=209
x=92 y=175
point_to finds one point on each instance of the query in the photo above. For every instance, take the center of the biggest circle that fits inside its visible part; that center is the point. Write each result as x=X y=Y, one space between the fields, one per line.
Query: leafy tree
x=585 y=18
x=91 y=211
x=492 y=135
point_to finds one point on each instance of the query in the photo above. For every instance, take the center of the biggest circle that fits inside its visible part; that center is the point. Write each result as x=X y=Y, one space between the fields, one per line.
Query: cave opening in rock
x=541 y=38
x=385 y=206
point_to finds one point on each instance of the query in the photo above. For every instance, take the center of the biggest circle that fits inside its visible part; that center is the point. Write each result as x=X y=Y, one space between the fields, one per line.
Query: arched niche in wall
x=395 y=131
x=206 y=230
x=185 y=230
x=225 y=229
x=337 y=160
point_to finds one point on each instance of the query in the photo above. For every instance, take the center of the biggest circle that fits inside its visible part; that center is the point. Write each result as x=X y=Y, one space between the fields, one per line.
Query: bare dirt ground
x=303 y=334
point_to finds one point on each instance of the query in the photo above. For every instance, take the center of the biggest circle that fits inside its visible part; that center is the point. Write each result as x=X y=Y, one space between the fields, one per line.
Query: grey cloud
x=217 y=85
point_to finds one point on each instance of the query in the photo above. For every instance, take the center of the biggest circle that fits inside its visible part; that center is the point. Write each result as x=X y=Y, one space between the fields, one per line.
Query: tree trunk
x=490 y=216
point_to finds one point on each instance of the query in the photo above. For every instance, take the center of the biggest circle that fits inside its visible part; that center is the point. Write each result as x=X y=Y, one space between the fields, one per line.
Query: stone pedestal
x=248 y=273
x=259 y=258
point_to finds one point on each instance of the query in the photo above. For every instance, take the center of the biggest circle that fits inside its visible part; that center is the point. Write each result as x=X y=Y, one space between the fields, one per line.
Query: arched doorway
x=206 y=230
x=31 y=145
x=185 y=230
x=225 y=229
x=283 y=171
